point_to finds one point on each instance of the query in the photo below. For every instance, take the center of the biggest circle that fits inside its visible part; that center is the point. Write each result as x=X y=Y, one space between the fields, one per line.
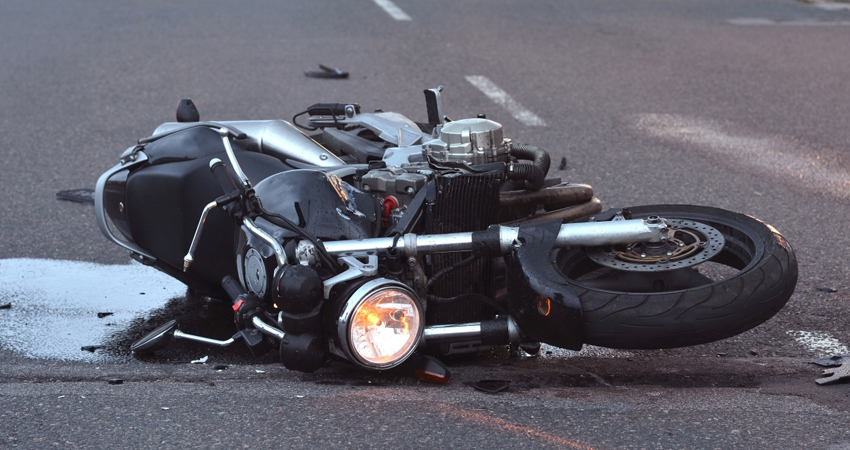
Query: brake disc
x=688 y=243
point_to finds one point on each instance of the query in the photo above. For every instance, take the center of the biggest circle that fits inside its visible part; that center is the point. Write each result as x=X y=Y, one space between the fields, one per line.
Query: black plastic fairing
x=539 y=298
x=164 y=201
x=331 y=208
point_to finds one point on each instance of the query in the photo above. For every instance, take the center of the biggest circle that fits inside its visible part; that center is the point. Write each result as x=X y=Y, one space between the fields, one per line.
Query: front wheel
x=702 y=286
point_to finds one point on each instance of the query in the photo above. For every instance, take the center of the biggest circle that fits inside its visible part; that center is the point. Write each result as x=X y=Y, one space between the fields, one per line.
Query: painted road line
x=501 y=98
x=772 y=156
x=394 y=11
x=819 y=343
x=759 y=21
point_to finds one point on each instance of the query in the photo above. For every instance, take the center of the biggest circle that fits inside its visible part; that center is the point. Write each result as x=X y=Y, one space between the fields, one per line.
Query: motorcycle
x=376 y=240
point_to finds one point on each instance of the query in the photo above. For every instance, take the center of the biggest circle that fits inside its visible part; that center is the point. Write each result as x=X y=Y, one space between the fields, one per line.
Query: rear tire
x=744 y=285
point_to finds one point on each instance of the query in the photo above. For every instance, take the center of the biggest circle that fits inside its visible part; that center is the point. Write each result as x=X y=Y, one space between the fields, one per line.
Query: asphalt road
x=738 y=105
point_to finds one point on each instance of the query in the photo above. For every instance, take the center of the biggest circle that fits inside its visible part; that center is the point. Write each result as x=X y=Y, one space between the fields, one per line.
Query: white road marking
x=501 y=98
x=831 y=6
x=768 y=155
x=755 y=21
x=819 y=343
x=394 y=11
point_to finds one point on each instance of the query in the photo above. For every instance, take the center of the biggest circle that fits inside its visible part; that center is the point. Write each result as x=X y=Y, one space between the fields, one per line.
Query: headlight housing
x=381 y=324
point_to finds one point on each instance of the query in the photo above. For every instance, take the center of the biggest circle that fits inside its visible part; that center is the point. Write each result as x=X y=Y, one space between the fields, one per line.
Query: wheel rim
x=737 y=248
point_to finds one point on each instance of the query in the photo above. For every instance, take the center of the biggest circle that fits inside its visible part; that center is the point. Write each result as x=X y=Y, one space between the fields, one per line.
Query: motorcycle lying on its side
x=373 y=238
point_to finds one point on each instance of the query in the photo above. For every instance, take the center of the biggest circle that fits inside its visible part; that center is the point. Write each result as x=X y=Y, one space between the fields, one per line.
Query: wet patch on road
x=59 y=307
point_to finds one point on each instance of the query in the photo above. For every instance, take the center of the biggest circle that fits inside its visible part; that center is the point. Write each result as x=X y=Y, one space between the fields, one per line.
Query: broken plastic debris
x=165 y=408
x=61 y=396
x=260 y=371
x=327 y=72
x=91 y=348
x=77 y=195
x=832 y=361
x=299 y=396
x=829 y=290
x=563 y=164
x=201 y=361
x=101 y=315
x=835 y=375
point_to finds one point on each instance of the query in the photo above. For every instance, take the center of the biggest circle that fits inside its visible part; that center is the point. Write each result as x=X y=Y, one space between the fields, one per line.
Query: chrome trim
x=593 y=234
x=277 y=138
x=279 y=253
x=355 y=300
x=267 y=329
x=465 y=333
x=459 y=332
x=589 y=234
x=138 y=158
x=224 y=132
x=356 y=269
x=188 y=259
x=191 y=337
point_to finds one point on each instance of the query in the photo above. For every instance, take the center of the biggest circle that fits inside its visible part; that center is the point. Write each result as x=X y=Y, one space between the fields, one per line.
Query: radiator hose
x=534 y=174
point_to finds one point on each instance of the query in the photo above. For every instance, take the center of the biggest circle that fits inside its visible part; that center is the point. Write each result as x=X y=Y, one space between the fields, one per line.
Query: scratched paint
x=55 y=305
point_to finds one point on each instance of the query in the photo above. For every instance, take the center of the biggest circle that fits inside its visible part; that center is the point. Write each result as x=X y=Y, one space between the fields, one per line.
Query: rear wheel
x=719 y=274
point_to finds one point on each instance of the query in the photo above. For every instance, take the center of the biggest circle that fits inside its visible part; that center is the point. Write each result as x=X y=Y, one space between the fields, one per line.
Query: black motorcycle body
x=390 y=238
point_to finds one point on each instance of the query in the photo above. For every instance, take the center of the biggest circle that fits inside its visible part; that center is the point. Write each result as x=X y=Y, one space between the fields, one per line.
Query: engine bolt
x=643 y=255
x=411 y=261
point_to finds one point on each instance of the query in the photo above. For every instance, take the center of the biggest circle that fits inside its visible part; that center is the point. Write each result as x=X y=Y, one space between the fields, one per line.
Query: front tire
x=742 y=286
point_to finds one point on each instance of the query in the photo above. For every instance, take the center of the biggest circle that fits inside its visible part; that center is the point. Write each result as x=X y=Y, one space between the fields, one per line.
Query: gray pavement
x=740 y=105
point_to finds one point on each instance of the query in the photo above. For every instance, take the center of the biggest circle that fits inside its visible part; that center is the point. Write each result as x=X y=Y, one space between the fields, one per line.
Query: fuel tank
x=157 y=205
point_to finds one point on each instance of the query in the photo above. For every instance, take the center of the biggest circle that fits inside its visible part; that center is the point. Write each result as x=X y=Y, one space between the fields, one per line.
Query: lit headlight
x=381 y=324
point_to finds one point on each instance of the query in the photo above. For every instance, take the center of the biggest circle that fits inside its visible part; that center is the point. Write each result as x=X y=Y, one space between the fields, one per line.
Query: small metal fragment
x=835 y=375
x=101 y=315
x=115 y=381
x=6 y=306
x=832 y=361
x=827 y=289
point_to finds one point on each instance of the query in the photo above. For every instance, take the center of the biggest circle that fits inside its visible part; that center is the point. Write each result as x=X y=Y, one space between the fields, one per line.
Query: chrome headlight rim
x=355 y=300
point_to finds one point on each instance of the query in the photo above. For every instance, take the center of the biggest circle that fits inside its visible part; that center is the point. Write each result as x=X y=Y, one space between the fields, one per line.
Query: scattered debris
x=492 y=386
x=77 y=195
x=299 y=396
x=829 y=290
x=6 y=306
x=327 y=72
x=754 y=352
x=835 y=375
x=260 y=371
x=91 y=348
x=220 y=367
x=165 y=408
x=101 y=315
x=832 y=361
x=115 y=381
x=201 y=361
x=61 y=396
x=563 y=164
